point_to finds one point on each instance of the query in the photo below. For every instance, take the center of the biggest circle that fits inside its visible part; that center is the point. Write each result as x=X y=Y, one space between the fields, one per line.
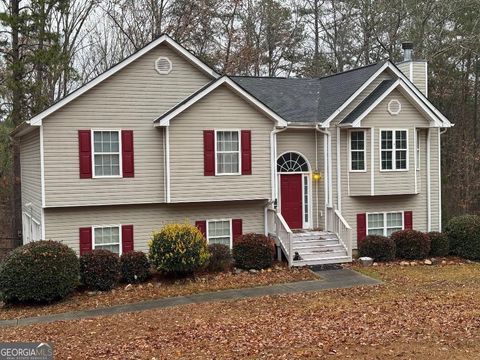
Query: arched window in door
x=292 y=162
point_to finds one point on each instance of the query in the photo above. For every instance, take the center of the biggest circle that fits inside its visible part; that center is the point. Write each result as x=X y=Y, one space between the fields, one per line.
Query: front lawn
x=419 y=312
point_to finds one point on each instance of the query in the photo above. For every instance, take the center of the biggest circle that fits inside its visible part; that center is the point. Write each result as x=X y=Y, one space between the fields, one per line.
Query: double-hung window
x=219 y=232
x=106 y=153
x=227 y=147
x=357 y=150
x=384 y=223
x=107 y=238
x=394 y=149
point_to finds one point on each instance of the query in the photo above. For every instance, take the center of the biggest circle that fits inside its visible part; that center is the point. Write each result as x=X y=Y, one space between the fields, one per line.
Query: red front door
x=291 y=199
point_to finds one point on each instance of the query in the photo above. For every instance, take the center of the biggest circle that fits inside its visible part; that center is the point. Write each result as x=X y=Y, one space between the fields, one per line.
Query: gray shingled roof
x=307 y=100
x=369 y=100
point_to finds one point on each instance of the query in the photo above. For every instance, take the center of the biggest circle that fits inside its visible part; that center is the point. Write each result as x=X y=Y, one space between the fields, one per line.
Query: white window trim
x=239 y=152
x=364 y=151
x=385 y=220
x=120 y=158
x=31 y=230
x=394 y=149
x=108 y=226
x=218 y=220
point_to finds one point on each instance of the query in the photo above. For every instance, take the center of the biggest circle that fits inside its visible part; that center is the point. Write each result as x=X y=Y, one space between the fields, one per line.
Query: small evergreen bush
x=178 y=248
x=253 y=251
x=439 y=244
x=135 y=267
x=100 y=269
x=379 y=248
x=41 y=271
x=220 y=258
x=464 y=236
x=411 y=244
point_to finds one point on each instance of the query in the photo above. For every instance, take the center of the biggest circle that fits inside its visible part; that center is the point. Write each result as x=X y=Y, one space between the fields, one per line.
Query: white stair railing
x=279 y=227
x=338 y=225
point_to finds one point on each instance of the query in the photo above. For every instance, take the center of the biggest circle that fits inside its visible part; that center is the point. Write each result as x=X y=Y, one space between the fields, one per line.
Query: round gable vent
x=394 y=107
x=163 y=65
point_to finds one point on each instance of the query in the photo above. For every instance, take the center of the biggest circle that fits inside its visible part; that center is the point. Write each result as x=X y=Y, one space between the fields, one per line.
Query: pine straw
x=420 y=312
x=160 y=287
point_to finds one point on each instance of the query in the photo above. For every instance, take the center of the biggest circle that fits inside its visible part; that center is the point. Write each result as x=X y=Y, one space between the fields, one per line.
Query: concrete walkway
x=329 y=279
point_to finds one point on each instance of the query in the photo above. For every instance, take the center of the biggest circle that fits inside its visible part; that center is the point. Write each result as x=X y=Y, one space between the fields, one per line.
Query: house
x=316 y=163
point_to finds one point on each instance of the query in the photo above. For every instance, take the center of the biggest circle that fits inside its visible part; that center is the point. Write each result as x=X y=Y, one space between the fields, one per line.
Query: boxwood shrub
x=100 y=269
x=253 y=251
x=379 y=248
x=411 y=244
x=220 y=258
x=178 y=248
x=439 y=244
x=41 y=271
x=464 y=235
x=135 y=267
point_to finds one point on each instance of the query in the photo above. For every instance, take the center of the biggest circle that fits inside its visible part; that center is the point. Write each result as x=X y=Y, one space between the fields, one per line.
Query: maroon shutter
x=361 y=227
x=85 y=153
x=202 y=226
x=246 y=152
x=209 y=153
x=127 y=238
x=408 y=220
x=237 y=228
x=127 y=153
x=85 y=240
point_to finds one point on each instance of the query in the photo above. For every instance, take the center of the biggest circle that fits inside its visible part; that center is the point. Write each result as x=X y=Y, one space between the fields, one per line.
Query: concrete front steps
x=317 y=247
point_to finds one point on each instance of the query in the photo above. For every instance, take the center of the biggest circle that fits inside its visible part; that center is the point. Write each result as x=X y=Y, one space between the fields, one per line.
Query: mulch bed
x=159 y=287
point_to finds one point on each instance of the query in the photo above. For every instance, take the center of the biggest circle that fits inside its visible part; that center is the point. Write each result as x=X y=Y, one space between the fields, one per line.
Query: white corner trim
x=339 y=169
x=42 y=184
x=411 y=71
x=165 y=120
x=426 y=79
x=372 y=161
x=167 y=165
x=439 y=181
x=36 y=120
x=415 y=157
x=429 y=197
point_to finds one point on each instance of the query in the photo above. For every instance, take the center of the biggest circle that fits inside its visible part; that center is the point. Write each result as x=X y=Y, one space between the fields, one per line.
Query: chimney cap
x=407 y=45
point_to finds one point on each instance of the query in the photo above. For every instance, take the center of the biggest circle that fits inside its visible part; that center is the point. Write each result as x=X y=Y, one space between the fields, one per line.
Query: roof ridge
x=354 y=69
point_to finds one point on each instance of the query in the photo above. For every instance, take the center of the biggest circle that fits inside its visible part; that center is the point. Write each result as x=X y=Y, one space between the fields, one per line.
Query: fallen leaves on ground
x=160 y=288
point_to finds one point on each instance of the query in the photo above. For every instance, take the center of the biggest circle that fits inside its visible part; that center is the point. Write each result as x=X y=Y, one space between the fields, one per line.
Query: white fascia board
x=36 y=120
x=327 y=122
x=165 y=121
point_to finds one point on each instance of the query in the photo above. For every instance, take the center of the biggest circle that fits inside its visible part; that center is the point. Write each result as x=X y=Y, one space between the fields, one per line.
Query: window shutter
x=408 y=220
x=246 y=152
x=361 y=227
x=202 y=226
x=85 y=240
x=85 y=153
x=127 y=238
x=237 y=229
x=209 y=153
x=127 y=153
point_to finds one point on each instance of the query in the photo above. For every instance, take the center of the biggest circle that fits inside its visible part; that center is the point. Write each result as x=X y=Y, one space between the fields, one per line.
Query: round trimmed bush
x=439 y=244
x=379 y=248
x=220 y=258
x=135 y=267
x=41 y=271
x=100 y=269
x=411 y=244
x=178 y=248
x=253 y=251
x=464 y=235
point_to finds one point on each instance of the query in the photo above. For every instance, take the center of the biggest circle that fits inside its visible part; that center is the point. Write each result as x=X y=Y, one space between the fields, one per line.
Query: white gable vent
x=394 y=107
x=163 y=65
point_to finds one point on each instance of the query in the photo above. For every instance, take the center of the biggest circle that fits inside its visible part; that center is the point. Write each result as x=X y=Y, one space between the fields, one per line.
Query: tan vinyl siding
x=31 y=173
x=303 y=141
x=435 y=181
x=131 y=99
x=358 y=183
x=416 y=72
x=63 y=224
x=220 y=110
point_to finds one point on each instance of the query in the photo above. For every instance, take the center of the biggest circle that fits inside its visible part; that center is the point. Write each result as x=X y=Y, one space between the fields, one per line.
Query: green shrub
x=100 y=269
x=220 y=258
x=135 y=267
x=439 y=244
x=464 y=235
x=253 y=251
x=178 y=248
x=379 y=248
x=411 y=244
x=41 y=271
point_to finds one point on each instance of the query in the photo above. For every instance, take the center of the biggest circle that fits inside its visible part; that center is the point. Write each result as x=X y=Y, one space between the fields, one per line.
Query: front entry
x=291 y=199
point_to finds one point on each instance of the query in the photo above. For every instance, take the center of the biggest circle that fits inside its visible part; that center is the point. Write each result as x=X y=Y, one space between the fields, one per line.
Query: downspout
x=327 y=145
x=440 y=133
